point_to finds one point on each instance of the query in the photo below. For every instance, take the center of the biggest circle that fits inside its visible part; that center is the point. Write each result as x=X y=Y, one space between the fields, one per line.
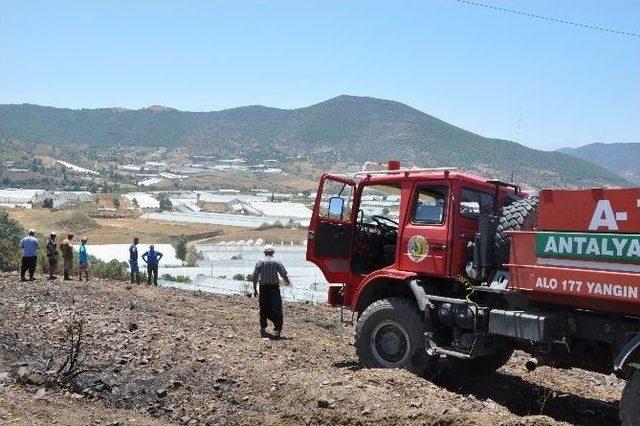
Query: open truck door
x=330 y=238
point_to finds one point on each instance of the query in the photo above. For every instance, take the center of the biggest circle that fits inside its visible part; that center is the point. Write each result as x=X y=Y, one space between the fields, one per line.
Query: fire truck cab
x=387 y=226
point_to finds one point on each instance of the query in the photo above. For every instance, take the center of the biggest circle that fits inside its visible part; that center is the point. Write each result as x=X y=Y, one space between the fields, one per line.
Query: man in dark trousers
x=152 y=259
x=30 y=246
x=133 y=261
x=267 y=274
x=52 y=255
x=67 y=256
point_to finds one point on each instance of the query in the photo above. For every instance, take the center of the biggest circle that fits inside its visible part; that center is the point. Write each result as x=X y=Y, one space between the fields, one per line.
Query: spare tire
x=521 y=215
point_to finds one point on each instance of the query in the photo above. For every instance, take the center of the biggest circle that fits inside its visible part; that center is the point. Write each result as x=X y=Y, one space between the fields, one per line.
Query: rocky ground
x=165 y=356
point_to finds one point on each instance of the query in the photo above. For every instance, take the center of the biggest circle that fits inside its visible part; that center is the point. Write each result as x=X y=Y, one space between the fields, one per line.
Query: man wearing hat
x=30 y=246
x=266 y=273
x=52 y=255
x=67 y=256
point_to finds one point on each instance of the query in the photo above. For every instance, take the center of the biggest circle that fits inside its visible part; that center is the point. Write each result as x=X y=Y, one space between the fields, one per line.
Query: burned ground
x=163 y=356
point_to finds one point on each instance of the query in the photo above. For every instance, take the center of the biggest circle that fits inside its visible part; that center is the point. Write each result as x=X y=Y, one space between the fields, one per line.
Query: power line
x=546 y=18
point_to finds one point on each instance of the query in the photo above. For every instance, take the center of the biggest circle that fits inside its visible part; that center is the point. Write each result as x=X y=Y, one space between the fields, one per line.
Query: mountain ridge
x=341 y=129
x=622 y=158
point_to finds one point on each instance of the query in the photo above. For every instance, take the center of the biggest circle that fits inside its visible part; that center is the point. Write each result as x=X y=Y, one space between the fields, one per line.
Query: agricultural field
x=122 y=230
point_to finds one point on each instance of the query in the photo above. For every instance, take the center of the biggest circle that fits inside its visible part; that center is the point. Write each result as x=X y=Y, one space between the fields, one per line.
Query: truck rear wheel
x=630 y=402
x=390 y=334
x=520 y=215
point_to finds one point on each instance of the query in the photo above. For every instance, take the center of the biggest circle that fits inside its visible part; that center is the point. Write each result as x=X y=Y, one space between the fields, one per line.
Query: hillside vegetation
x=621 y=158
x=346 y=128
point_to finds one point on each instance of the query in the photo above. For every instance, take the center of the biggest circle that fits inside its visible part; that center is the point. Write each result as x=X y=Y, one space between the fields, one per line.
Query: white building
x=77 y=169
x=18 y=196
x=150 y=181
x=143 y=200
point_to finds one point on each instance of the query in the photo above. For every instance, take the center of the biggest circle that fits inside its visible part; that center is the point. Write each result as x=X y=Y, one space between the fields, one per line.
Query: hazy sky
x=541 y=83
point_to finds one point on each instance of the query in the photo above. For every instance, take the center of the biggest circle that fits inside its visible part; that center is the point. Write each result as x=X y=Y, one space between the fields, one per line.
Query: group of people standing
x=30 y=246
x=150 y=257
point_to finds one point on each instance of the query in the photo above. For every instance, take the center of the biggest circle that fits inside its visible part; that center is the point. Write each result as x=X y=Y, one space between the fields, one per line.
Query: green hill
x=622 y=159
x=346 y=128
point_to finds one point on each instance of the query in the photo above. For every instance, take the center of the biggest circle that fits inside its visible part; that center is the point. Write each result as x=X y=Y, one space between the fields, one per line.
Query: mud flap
x=631 y=347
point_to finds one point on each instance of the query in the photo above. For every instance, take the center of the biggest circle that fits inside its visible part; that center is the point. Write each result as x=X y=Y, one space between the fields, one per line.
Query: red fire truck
x=436 y=262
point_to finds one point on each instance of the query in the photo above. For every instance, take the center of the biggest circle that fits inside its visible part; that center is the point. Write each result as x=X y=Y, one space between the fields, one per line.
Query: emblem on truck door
x=417 y=248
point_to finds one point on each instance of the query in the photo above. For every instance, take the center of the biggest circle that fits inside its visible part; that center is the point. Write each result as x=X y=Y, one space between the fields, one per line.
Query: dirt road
x=163 y=356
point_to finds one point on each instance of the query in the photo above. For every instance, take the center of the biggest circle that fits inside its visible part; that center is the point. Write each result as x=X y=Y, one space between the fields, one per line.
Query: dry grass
x=246 y=181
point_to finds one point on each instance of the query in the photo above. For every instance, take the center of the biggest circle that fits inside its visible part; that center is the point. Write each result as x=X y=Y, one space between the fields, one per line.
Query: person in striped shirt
x=267 y=274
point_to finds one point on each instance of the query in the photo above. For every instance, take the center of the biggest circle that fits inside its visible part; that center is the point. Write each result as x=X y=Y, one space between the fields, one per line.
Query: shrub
x=177 y=278
x=238 y=277
x=110 y=270
x=250 y=277
x=193 y=256
x=11 y=232
x=47 y=203
x=77 y=221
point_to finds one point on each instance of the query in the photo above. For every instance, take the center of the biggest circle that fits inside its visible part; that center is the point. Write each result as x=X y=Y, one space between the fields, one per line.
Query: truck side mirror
x=336 y=207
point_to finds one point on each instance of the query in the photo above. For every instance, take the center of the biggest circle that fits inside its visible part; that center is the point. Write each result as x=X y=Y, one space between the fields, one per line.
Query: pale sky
x=541 y=83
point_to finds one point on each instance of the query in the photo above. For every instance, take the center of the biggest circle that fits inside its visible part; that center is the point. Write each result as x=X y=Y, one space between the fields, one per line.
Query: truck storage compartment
x=524 y=325
x=595 y=284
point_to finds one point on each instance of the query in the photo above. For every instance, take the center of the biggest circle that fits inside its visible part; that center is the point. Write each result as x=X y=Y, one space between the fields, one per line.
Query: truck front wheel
x=390 y=334
x=630 y=402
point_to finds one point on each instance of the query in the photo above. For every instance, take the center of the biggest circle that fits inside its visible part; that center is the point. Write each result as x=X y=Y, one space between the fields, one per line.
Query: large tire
x=630 y=402
x=521 y=215
x=390 y=334
x=481 y=366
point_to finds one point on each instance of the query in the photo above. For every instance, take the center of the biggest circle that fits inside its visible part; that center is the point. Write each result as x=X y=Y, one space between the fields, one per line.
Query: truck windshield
x=380 y=200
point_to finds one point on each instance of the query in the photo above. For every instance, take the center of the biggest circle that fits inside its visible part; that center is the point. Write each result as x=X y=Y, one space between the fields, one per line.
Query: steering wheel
x=386 y=224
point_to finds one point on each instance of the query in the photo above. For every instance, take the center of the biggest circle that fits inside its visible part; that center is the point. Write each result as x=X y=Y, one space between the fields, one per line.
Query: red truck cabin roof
x=408 y=175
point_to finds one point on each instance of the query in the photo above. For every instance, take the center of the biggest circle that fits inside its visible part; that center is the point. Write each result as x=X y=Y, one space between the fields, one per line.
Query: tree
x=36 y=165
x=165 y=202
x=47 y=203
x=116 y=202
x=181 y=247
